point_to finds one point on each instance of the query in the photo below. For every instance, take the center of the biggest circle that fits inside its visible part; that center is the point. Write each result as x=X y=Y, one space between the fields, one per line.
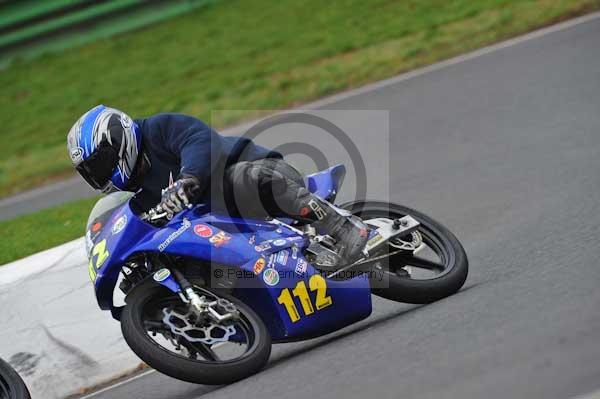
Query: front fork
x=219 y=311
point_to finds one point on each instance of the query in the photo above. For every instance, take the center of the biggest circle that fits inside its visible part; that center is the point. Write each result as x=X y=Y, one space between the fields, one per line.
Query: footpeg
x=323 y=257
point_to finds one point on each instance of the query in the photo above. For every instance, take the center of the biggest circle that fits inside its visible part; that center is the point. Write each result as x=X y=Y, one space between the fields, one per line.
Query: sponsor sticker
x=252 y=239
x=272 y=261
x=295 y=238
x=184 y=226
x=374 y=240
x=301 y=266
x=119 y=225
x=294 y=252
x=271 y=277
x=76 y=155
x=259 y=266
x=162 y=275
x=280 y=242
x=282 y=257
x=220 y=239
x=203 y=231
x=262 y=247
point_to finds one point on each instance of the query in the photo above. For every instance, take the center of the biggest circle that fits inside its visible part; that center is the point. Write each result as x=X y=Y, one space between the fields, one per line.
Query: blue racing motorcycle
x=207 y=294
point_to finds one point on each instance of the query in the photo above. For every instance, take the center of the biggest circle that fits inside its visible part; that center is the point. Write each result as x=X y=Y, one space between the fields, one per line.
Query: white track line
x=401 y=78
x=118 y=384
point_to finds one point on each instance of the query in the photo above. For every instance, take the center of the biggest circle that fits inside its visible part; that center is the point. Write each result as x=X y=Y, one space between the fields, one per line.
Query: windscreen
x=101 y=213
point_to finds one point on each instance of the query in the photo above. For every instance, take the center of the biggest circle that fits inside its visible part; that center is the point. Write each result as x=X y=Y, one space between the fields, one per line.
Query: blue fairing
x=238 y=245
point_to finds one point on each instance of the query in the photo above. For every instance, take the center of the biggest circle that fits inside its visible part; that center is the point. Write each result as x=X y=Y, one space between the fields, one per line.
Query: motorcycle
x=12 y=385
x=207 y=294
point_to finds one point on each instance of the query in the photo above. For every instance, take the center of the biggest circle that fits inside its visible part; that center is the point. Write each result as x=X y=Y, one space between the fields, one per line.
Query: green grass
x=236 y=55
x=244 y=55
x=44 y=229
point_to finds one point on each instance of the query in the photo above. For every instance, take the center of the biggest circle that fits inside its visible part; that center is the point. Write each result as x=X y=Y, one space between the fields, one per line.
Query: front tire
x=142 y=306
x=453 y=262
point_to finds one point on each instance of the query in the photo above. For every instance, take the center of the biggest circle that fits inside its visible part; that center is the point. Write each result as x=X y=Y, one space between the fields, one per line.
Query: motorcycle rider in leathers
x=176 y=160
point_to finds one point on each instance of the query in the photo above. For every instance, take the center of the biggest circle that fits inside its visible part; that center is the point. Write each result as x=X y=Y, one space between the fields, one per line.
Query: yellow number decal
x=101 y=252
x=92 y=271
x=286 y=300
x=319 y=284
x=101 y=255
x=301 y=293
x=316 y=283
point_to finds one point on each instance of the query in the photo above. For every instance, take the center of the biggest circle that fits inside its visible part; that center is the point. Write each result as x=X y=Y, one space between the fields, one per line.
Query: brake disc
x=179 y=324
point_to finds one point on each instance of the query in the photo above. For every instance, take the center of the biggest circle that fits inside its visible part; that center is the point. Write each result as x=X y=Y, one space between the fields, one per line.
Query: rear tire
x=402 y=289
x=187 y=369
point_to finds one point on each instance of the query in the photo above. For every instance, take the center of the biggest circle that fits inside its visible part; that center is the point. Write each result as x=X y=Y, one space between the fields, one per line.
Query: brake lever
x=157 y=214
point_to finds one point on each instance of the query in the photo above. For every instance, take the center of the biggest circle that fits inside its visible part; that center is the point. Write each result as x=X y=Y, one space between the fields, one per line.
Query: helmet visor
x=99 y=167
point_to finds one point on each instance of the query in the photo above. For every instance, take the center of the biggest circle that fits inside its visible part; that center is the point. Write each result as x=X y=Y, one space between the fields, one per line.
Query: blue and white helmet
x=104 y=145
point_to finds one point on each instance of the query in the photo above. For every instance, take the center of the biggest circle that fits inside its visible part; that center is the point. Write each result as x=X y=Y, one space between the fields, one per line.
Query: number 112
x=315 y=283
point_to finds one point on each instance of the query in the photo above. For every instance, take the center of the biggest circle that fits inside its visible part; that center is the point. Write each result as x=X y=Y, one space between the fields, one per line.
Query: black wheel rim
x=242 y=344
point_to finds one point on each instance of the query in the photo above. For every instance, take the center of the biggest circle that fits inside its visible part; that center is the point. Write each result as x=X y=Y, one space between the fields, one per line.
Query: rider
x=113 y=152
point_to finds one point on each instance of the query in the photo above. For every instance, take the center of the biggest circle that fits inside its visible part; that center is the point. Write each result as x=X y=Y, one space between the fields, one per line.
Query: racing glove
x=179 y=195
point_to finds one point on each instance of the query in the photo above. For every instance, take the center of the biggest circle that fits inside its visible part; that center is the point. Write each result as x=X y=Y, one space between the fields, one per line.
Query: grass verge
x=241 y=55
x=28 y=234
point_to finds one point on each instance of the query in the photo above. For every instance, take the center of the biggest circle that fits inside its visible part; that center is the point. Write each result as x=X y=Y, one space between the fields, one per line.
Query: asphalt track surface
x=505 y=150
x=43 y=197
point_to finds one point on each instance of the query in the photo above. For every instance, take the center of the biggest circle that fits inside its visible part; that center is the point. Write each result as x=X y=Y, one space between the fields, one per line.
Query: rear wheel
x=162 y=330
x=424 y=266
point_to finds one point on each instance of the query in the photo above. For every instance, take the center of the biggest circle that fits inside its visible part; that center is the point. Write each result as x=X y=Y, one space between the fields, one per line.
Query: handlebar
x=157 y=214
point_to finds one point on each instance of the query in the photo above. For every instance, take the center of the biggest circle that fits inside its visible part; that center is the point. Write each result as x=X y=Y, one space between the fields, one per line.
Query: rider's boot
x=350 y=232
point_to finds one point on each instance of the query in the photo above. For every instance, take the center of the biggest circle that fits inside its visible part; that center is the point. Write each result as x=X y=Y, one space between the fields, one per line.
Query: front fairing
x=120 y=230
x=122 y=234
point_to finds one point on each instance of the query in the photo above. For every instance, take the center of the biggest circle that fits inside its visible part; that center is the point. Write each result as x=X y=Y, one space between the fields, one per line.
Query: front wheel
x=424 y=266
x=162 y=330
